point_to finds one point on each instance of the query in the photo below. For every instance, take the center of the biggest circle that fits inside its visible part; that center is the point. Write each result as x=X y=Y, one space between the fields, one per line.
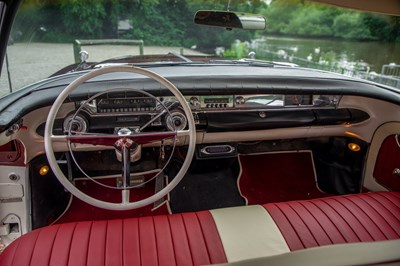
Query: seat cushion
x=210 y=237
x=339 y=219
x=180 y=239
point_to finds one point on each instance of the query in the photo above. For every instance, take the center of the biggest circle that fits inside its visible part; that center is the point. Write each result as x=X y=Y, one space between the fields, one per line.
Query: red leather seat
x=340 y=219
x=181 y=239
x=193 y=238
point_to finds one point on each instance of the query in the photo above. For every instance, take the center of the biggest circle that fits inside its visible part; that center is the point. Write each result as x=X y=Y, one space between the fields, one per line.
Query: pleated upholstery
x=339 y=219
x=193 y=238
x=180 y=239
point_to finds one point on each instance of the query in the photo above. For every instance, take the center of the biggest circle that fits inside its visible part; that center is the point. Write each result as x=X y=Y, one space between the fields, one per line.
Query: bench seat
x=210 y=237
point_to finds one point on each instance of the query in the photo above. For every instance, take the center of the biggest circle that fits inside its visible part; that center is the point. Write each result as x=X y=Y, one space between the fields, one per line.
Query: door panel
x=387 y=167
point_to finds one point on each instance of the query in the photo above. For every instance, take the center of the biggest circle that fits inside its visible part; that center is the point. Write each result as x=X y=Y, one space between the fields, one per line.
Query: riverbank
x=374 y=53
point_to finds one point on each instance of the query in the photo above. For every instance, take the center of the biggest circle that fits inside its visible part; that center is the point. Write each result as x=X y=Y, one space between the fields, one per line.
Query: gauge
x=75 y=124
x=176 y=121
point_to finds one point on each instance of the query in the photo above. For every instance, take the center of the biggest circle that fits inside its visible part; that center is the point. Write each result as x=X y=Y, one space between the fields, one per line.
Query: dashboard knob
x=240 y=100
x=194 y=101
x=177 y=122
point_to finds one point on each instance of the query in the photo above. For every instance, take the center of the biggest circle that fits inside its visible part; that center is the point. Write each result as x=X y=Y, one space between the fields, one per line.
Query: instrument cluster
x=136 y=111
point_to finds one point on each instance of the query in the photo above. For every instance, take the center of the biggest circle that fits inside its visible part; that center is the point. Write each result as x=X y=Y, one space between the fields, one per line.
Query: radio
x=216 y=102
x=122 y=105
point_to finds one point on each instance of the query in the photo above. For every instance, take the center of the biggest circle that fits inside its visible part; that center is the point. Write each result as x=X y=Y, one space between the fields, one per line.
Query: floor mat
x=277 y=177
x=81 y=211
x=208 y=190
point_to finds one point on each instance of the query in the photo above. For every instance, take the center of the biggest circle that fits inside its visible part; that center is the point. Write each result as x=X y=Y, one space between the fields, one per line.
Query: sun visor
x=388 y=7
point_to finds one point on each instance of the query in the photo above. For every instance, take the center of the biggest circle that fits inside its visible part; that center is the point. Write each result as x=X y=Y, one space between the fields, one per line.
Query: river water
x=375 y=53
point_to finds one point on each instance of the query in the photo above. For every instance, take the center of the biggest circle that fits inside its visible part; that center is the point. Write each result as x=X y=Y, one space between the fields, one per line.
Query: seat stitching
x=327 y=217
x=308 y=228
x=138 y=234
x=382 y=216
x=291 y=225
x=52 y=244
x=15 y=251
x=397 y=194
x=384 y=206
x=34 y=247
x=155 y=240
x=70 y=242
x=205 y=241
x=388 y=198
x=122 y=241
x=172 y=238
x=105 y=243
x=355 y=216
x=187 y=237
x=341 y=216
x=372 y=220
x=318 y=222
x=90 y=235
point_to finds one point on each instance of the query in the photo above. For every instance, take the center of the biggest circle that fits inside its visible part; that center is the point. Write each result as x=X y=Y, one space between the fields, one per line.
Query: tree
x=382 y=27
x=350 y=26
x=84 y=19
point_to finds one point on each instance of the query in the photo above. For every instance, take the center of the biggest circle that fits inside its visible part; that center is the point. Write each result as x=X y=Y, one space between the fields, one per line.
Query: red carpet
x=277 y=177
x=81 y=211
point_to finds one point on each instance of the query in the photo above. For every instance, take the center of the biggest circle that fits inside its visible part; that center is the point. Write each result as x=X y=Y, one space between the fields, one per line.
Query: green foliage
x=238 y=50
x=147 y=18
x=83 y=18
x=383 y=27
x=170 y=22
x=279 y=14
x=351 y=26
x=304 y=18
x=310 y=21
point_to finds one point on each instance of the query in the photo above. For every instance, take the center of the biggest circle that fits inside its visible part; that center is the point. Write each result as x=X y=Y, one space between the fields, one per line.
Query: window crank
x=396 y=171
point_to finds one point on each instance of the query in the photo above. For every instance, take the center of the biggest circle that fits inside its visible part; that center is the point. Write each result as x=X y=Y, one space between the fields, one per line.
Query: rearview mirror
x=229 y=19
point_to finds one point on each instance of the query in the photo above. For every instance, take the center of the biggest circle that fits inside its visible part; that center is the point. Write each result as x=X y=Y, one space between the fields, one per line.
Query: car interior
x=242 y=162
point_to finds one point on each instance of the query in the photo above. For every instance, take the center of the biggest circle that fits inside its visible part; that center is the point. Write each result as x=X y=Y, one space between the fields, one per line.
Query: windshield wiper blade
x=184 y=58
x=257 y=61
x=253 y=62
x=146 y=60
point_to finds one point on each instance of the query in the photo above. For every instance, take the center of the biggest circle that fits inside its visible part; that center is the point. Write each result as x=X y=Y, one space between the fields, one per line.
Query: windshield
x=48 y=36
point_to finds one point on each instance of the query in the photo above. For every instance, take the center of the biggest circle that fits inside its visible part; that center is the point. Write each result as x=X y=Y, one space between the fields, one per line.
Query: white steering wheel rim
x=48 y=133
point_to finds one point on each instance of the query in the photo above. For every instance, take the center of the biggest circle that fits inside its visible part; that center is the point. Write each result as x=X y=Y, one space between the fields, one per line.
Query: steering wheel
x=124 y=142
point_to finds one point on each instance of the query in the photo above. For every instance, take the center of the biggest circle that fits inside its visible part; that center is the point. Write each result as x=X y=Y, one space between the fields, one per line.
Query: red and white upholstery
x=201 y=238
x=339 y=219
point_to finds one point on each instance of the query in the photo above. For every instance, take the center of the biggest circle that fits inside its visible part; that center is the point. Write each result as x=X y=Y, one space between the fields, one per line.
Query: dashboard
x=214 y=102
x=110 y=112
x=230 y=104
